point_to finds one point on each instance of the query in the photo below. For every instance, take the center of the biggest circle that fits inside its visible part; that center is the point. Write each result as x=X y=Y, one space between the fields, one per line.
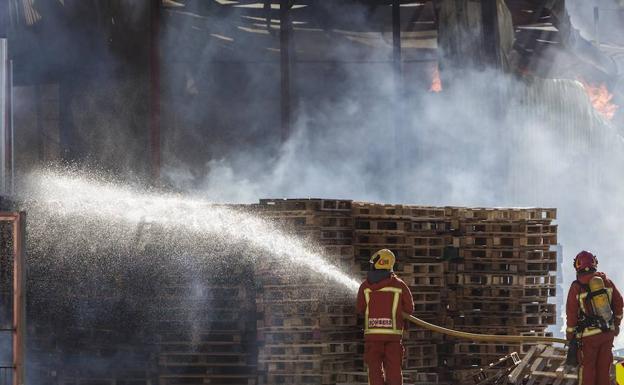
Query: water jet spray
x=87 y=197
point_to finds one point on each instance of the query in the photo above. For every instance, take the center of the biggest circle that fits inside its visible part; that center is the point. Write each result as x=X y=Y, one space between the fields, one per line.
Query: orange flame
x=436 y=82
x=600 y=98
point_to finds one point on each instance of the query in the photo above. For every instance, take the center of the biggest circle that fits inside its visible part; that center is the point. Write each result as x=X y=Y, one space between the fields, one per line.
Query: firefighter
x=594 y=313
x=382 y=299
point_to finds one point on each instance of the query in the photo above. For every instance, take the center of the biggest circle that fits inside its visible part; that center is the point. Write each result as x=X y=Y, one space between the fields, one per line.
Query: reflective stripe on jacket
x=382 y=305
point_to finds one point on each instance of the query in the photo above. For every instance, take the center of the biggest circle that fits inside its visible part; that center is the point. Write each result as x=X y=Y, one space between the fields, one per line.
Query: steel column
x=396 y=37
x=596 y=25
x=19 y=299
x=6 y=126
x=40 y=126
x=285 y=67
x=154 y=64
x=491 y=37
x=5 y=132
x=10 y=187
x=399 y=111
x=5 y=18
x=66 y=130
x=18 y=329
x=530 y=39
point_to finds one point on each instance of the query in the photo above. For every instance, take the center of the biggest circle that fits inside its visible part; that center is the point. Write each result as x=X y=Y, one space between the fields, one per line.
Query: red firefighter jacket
x=382 y=305
x=577 y=301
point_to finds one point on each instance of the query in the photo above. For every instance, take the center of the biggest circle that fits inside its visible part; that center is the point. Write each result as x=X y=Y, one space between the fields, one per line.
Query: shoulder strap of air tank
x=581 y=287
x=592 y=294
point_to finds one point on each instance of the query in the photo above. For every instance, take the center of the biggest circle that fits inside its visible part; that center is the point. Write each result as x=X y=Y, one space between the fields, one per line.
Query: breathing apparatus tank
x=600 y=302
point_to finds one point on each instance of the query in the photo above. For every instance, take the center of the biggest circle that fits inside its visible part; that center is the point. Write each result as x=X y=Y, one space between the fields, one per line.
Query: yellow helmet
x=383 y=260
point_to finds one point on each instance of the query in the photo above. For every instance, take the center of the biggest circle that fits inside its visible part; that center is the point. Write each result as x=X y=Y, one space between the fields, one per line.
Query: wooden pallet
x=309 y=205
x=302 y=307
x=430 y=227
x=504 y=228
x=205 y=379
x=311 y=349
x=423 y=269
x=410 y=377
x=276 y=335
x=338 y=251
x=484 y=306
x=104 y=381
x=293 y=378
x=294 y=321
x=427 y=241
x=543 y=365
x=497 y=373
x=513 y=254
x=364 y=209
x=381 y=225
x=475 y=279
x=539 y=281
x=420 y=282
x=481 y=348
x=497 y=214
x=521 y=267
x=512 y=242
x=382 y=240
x=488 y=293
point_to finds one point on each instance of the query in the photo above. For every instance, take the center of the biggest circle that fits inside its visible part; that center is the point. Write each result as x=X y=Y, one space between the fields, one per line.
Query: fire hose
x=502 y=338
x=479 y=337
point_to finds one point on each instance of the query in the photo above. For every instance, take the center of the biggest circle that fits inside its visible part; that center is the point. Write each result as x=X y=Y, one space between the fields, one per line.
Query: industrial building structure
x=142 y=88
x=142 y=85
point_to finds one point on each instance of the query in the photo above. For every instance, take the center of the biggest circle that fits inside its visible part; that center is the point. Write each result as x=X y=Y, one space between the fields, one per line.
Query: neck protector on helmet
x=375 y=276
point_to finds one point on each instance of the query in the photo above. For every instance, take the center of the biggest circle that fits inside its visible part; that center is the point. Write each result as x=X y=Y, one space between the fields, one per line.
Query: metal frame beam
x=67 y=130
x=154 y=78
x=285 y=68
x=397 y=66
x=18 y=330
x=396 y=36
x=491 y=37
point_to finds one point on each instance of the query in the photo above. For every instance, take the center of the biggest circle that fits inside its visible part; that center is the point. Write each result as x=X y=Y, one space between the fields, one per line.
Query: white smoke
x=489 y=140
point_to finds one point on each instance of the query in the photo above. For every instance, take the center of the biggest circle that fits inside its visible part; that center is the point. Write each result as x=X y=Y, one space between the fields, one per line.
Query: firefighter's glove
x=617 y=331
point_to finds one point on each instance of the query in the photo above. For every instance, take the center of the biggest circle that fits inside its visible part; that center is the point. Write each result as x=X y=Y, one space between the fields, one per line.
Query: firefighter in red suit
x=382 y=299
x=594 y=313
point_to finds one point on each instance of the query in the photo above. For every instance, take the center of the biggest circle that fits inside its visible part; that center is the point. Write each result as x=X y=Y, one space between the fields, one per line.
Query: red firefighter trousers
x=384 y=357
x=596 y=359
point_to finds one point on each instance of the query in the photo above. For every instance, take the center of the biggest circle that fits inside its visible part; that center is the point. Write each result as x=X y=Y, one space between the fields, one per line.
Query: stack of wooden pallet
x=307 y=330
x=418 y=237
x=478 y=270
x=206 y=333
x=103 y=343
x=305 y=334
x=501 y=280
